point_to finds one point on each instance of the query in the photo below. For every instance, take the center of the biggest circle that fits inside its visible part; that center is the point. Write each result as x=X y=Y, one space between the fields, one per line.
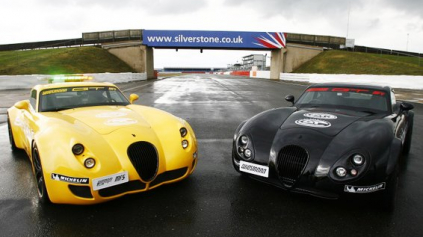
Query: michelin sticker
x=67 y=179
x=320 y=116
x=315 y=123
x=111 y=115
x=364 y=189
x=120 y=121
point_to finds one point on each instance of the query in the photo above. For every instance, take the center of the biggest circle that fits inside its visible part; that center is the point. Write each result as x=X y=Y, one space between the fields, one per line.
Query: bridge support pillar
x=277 y=63
x=149 y=61
x=137 y=56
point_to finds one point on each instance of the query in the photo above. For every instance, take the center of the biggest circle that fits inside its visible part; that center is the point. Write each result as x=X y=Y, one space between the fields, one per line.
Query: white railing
x=29 y=81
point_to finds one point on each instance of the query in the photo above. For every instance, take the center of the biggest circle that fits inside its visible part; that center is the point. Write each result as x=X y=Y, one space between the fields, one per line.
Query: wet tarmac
x=215 y=200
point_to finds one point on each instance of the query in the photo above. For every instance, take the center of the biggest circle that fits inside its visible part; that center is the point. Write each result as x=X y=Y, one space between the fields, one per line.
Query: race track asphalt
x=215 y=200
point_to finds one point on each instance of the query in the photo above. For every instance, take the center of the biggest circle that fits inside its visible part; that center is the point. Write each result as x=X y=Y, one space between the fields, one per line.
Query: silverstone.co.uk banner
x=214 y=39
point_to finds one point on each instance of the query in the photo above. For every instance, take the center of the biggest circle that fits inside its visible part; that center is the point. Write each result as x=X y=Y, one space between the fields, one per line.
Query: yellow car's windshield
x=73 y=97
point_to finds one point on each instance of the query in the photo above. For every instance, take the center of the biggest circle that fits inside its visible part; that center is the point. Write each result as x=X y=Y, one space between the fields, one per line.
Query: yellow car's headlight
x=183 y=132
x=184 y=144
x=78 y=149
x=89 y=163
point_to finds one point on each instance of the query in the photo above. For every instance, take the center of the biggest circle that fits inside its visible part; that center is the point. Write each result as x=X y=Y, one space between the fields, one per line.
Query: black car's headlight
x=351 y=166
x=357 y=159
x=245 y=147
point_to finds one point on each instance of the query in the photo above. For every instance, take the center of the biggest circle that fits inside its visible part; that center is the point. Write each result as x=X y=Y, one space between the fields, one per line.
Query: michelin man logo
x=55 y=177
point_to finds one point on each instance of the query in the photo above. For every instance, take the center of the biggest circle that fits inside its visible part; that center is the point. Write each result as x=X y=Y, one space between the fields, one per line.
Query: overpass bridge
x=135 y=48
x=129 y=46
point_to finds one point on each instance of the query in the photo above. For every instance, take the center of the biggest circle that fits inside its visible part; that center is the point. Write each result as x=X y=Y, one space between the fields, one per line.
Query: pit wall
x=29 y=81
x=394 y=81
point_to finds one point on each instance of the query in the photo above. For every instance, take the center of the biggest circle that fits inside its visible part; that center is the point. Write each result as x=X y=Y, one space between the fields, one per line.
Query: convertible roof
x=352 y=85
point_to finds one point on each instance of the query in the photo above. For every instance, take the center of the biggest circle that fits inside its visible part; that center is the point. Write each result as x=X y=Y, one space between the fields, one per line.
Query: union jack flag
x=274 y=40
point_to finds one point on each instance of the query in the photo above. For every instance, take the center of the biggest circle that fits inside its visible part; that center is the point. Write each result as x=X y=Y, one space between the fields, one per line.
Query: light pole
x=408 y=35
x=348 y=20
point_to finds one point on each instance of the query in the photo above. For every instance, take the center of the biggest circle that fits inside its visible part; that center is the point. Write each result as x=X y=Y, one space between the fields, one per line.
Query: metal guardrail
x=364 y=49
x=94 y=38
x=42 y=44
x=112 y=35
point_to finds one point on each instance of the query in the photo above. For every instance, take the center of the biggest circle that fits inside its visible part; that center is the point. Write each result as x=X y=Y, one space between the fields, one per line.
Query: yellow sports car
x=88 y=143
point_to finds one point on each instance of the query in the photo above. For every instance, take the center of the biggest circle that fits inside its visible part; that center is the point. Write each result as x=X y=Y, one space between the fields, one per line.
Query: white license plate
x=110 y=180
x=255 y=169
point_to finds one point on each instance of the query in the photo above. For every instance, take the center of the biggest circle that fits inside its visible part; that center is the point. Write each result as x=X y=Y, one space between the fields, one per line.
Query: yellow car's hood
x=103 y=119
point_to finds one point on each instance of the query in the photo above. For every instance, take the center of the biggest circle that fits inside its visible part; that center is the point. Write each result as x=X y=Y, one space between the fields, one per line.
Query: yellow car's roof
x=71 y=84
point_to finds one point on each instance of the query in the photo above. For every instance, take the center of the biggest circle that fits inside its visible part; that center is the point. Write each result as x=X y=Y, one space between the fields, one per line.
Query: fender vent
x=143 y=156
x=290 y=164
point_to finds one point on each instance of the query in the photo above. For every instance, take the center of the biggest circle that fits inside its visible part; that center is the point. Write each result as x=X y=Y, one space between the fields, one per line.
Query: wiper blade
x=368 y=111
x=64 y=108
x=49 y=110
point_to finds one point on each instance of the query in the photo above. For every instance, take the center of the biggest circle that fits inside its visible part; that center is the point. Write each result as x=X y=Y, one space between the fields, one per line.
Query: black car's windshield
x=73 y=97
x=359 y=99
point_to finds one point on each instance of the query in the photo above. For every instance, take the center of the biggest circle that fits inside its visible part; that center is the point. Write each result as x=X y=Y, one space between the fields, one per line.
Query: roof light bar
x=69 y=78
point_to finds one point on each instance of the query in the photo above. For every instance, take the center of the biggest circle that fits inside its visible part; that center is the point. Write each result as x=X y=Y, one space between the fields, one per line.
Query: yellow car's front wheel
x=11 y=138
x=39 y=176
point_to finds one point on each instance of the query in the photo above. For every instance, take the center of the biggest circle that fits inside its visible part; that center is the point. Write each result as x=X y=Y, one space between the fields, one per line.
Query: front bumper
x=322 y=187
x=65 y=192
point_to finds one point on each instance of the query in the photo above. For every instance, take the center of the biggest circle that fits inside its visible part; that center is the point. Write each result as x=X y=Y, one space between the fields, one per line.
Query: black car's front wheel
x=389 y=195
x=235 y=162
x=39 y=176
x=408 y=137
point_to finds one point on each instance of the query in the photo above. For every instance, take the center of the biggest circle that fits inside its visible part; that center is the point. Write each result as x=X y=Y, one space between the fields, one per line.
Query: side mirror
x=133 y=98
x=290 y=98
x=24 y=104
x=404 y=106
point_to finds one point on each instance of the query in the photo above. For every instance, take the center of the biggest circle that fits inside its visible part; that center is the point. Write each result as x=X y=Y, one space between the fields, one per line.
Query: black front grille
x=169 y=175
x=143 y=156
x=122 y=188
x=290 y=164
x=81 y=191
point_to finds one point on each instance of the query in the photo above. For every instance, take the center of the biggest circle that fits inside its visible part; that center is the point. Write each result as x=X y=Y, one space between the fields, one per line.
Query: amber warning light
x=69 y=78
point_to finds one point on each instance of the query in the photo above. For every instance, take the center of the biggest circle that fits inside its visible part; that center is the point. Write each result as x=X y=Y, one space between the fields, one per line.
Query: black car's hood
x=329 y=122
x=313 y=129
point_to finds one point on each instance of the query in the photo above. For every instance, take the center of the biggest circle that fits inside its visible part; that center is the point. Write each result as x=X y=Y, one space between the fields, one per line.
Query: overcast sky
x=390 y=24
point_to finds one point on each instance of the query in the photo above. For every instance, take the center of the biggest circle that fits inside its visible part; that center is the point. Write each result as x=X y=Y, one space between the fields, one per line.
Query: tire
x=389 y=195
x=236 y=167
x=39 y=176
x=11 y=138
x=408 y=137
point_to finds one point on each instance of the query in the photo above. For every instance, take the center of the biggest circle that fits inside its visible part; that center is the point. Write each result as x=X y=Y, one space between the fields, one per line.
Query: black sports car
x=335 y=140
